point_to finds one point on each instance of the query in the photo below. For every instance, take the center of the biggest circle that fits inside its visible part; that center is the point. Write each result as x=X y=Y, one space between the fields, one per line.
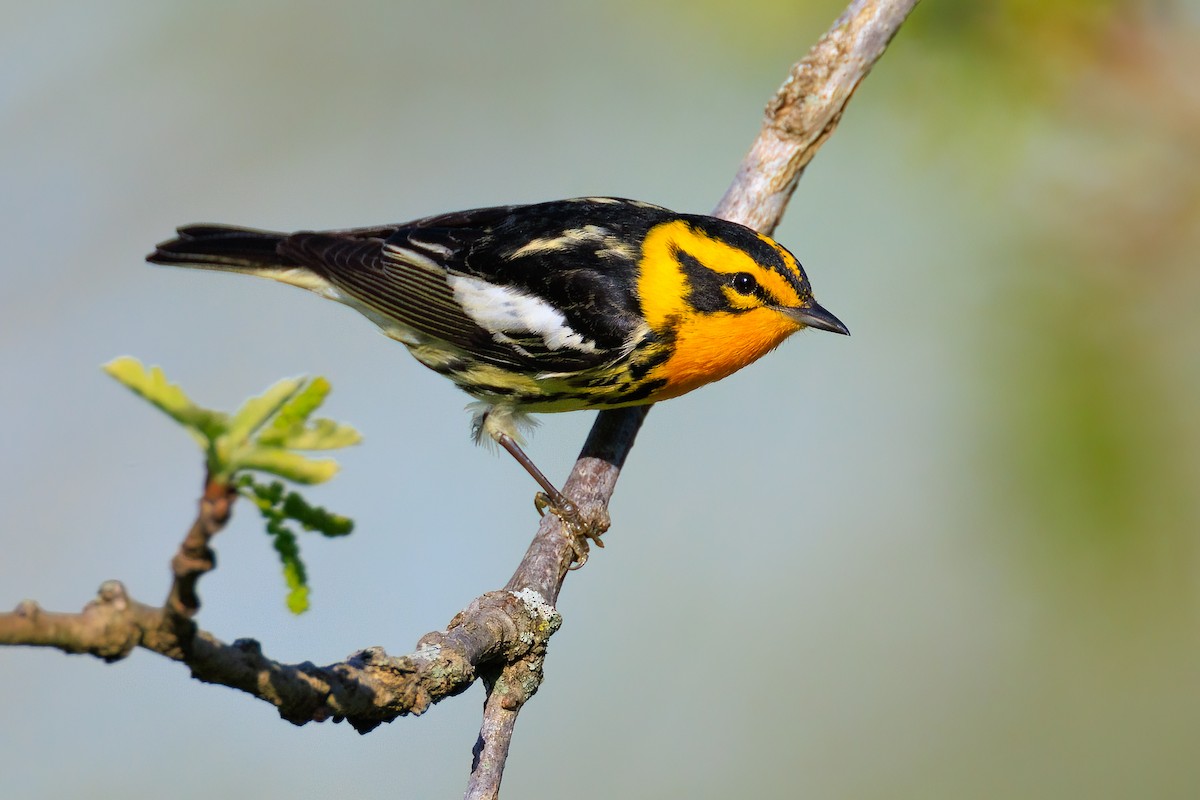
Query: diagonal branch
x=798 y=120
x=807 y=108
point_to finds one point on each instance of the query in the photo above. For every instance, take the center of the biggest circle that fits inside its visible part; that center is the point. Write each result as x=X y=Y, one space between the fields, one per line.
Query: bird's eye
x=744 y=283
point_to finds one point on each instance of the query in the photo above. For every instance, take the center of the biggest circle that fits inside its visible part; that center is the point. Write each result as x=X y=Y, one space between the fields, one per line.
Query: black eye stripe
x=705 y=285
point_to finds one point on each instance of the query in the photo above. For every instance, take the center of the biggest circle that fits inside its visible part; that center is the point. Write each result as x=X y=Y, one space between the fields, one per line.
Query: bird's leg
x=580 y=531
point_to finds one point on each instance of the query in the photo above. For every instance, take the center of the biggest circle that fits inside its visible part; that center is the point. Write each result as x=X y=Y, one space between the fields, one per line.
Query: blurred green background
x=952 y=556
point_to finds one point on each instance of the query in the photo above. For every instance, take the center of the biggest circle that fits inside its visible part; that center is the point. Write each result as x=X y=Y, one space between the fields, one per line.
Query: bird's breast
x=713 y=346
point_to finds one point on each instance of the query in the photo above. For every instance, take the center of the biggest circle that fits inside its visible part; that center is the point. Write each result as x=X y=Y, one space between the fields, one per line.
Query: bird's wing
x=414 y=275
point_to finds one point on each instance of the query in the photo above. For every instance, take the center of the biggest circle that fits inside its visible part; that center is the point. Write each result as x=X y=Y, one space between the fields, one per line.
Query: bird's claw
x=581 y=532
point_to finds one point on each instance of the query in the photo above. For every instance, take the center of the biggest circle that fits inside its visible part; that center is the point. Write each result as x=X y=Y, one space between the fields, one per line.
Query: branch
x=194 y=559
x=368 y=688
x=807 y=108
x=798 y=120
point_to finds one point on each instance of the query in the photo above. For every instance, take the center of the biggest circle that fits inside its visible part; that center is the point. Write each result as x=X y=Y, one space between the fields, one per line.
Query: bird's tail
x=225 y=247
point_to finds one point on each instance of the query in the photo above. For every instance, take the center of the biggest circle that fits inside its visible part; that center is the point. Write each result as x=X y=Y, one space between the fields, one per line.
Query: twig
x=194 y=559
x=806 y=109
x=368 y=688
x=799 y=118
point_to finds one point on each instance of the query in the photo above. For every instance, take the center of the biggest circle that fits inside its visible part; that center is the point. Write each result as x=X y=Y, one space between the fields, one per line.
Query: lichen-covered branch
x=368 y=688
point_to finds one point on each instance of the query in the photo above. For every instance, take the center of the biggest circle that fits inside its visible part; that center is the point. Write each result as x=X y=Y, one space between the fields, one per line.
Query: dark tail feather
x=224 y=247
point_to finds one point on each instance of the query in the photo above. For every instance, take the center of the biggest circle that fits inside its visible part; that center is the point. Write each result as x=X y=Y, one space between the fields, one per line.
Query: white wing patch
x=500 y=311
x=572 y=237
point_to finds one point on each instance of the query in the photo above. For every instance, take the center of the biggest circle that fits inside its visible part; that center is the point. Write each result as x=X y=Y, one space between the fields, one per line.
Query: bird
x=584 y=303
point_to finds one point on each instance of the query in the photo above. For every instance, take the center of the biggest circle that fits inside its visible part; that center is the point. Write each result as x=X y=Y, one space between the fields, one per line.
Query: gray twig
x=798 y=120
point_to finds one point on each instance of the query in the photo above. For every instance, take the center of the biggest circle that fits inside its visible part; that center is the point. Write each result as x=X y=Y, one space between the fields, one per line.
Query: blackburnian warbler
x=588 y=303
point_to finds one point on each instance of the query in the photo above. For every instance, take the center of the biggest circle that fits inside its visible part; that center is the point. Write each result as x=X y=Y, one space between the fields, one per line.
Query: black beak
x=814 y=316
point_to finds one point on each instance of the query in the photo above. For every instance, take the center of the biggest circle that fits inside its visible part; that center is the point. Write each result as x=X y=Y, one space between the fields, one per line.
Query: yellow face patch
x=663 y=284
x=709 y=345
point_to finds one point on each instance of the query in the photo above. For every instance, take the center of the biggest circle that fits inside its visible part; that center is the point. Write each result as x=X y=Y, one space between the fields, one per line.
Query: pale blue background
x=816 y=583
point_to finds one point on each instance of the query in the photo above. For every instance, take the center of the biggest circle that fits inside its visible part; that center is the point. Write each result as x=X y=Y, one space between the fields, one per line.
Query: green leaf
x=321 y=434
x=263 y=435
x=292 y=429
x=296 y=411
x=315 y=518
x=286 y=464
x=297 y=598
x=256 y=411
x=152 y=385
x=264 y=495
x=294 y=573
x=279 y=507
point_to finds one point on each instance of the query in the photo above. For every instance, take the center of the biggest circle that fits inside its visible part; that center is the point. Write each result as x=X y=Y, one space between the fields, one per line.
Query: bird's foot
x=582 y=531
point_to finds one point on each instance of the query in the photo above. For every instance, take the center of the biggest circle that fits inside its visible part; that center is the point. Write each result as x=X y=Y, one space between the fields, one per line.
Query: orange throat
x=714 y=346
